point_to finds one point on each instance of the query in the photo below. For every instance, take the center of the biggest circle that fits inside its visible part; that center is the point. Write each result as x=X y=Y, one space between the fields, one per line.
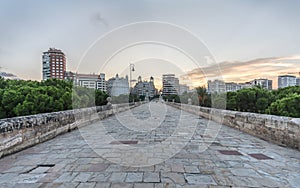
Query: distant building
x=245 y=85
x=54 y=64
x=144 y=88
x=264 y=83
x=183 y=89
x=286 y=81
x=298 y=81
x=93 y=81
x=232 y=86
x=216 y=86
x=118 y=86
x=170 y=84
x=70 y=76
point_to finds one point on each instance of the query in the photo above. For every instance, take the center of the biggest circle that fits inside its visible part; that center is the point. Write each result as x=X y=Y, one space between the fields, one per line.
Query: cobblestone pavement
x=233 y=159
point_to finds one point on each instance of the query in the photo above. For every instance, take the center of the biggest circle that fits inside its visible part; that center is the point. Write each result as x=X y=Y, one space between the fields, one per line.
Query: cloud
x=98 y=19
x=242 y=71
x=7 y=75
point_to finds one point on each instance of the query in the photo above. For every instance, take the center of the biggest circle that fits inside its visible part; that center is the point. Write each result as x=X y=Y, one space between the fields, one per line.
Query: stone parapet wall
x=22 y=132
x=277 y=129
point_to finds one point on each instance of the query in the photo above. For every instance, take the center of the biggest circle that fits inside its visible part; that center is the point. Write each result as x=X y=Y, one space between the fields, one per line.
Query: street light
x=131 y=69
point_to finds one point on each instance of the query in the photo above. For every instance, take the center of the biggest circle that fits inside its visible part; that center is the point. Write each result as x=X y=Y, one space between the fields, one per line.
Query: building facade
x=70 y=76
x=93 y=81
x=145 y=88
x=264 y=83
x=232 y=86
x=183 y=88
x=298 y=81
x=54 y=64
x=286 y=81
x=170 y=84
x=118 y=86
x=216 y=86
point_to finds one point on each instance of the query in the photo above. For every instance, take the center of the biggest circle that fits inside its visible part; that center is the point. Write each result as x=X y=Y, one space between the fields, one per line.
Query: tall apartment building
x=54 y=64
x=264 y=83
x=170 y=84
x=93 y=81
x=118 y=86
x=286 y=81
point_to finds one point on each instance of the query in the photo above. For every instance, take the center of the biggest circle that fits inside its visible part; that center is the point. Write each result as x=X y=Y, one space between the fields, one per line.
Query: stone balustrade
x=22 y=132
x=277 y=129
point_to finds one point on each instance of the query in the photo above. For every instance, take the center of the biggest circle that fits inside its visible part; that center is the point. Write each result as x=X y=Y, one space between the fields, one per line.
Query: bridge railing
x=277 y=129
x=22 y=132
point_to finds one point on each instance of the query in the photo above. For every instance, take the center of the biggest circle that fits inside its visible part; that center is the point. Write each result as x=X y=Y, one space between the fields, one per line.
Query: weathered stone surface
x=277 y=129
x=151 y=177
x=118 y=177
x=199 y=179
x=22 y=132
x=76 y=164
x=134 y=177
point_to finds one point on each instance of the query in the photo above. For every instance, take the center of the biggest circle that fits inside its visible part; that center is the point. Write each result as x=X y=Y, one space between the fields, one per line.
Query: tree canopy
x=282 y=102
x=19 y=97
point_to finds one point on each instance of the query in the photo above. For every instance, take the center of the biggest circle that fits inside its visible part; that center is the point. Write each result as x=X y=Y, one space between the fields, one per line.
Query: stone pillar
x=109 y=105
x=190 y=101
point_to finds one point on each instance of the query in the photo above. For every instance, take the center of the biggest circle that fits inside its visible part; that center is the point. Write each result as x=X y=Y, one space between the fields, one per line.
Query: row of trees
x=283 y=102
x=19 y=97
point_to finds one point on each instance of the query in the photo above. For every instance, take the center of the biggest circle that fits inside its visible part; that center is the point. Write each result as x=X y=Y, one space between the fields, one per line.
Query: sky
x=247 y=39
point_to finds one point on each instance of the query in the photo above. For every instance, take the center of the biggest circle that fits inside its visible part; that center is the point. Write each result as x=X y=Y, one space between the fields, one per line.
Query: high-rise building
x=170 y=84
x=118 y=86
x=145 y=88
x=54 y=64
x=264 y=83
x=216 y=86
x=93 y=81
x=286 y=81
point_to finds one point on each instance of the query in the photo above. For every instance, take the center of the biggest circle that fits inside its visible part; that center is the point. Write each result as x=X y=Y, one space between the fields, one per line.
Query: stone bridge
x=152 y=145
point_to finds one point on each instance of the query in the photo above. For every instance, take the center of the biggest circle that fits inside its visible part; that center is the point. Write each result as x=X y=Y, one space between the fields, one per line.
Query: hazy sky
x=235 y=31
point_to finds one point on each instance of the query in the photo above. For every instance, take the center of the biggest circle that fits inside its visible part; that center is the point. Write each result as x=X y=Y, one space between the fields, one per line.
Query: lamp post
x=131 y=69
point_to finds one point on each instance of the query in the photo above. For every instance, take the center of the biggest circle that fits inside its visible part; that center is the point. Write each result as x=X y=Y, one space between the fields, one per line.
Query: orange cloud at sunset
x=243 y=71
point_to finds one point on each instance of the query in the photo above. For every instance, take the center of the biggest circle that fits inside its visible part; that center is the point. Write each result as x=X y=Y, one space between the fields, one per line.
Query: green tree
x=231 y=101
x=100 y=98
x=287 y=106
x=10 y=100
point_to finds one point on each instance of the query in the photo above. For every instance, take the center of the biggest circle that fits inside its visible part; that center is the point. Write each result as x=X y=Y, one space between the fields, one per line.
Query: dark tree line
x=282 y=102
x=19 y=97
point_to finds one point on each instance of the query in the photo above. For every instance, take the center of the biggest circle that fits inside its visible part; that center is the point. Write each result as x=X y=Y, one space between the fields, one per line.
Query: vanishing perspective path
x=144 y=147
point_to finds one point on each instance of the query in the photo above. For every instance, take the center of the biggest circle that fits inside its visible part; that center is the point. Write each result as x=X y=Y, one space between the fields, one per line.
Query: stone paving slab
x=70 y=161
